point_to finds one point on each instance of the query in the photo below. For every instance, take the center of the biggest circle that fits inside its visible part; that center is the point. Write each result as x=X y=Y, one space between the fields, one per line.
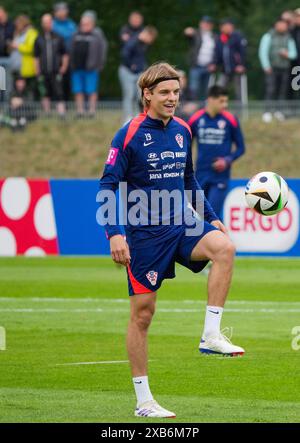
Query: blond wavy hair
x=150 y=78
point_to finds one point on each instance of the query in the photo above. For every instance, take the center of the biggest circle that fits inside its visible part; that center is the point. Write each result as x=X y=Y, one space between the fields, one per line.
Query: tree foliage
x=253 y=17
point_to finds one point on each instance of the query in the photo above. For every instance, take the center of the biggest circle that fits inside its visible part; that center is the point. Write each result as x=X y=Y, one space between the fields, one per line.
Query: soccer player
x=153 y=152
x=216 y=131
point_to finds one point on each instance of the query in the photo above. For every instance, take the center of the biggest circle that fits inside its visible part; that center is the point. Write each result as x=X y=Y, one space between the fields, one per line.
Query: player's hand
x=220 y=164
x=219 y=225
x=240 y=69
x=212 y=68
x=189 y=32
x=13 y=45
x=145 y=37
x=119 y=250
x=284 y=53
x=125 y=36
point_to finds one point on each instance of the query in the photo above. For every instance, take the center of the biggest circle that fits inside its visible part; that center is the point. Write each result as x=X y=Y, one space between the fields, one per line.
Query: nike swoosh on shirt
x=147 y=144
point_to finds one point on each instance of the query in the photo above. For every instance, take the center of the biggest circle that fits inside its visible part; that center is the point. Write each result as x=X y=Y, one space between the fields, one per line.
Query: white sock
x=142 y=390
x=212 y=321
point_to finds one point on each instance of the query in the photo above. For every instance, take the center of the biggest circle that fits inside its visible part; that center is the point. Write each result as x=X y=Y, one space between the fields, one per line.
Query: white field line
x=108 y=362
x=165 y=310
x=93 y=363
x=175 y=306
x=126 y=300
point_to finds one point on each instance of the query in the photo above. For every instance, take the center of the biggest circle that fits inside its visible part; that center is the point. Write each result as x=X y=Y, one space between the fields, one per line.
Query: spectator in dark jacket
x=135 y=41
x=134 y=26
x=230 y=56
x=87 y=59
x=296 y=36
x=203 y=43
x=289 y=17
x=21 y=111
x=64 y=26
x=51 y=64
x=6 y=36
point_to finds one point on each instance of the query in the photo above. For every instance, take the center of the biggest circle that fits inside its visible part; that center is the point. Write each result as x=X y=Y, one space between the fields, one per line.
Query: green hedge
x=254 y=17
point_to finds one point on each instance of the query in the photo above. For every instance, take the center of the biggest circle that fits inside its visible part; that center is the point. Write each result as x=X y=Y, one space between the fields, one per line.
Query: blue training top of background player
x=215 y=137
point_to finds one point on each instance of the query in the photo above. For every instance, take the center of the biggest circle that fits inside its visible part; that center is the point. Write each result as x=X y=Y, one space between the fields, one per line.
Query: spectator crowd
x=61 y=60
x=65 y=60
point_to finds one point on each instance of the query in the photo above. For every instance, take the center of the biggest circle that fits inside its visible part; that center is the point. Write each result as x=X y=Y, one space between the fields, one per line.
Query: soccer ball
x=267 y=193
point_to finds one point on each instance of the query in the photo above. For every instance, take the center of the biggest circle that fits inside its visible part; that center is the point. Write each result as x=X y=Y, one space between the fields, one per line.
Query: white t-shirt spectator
x=206 y=52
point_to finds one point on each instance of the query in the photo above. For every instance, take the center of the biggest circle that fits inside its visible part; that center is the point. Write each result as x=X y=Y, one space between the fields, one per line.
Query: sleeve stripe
x=195 y=116
x=133 y=127
x=183 y=123
x=231 y=118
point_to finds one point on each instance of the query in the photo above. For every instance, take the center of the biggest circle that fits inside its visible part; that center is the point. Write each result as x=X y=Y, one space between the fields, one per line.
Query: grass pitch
x=61 y=311
x=49 y=148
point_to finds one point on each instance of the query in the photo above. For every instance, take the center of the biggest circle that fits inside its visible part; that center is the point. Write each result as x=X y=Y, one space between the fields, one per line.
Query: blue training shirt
x=151 y=156
x=215 y=137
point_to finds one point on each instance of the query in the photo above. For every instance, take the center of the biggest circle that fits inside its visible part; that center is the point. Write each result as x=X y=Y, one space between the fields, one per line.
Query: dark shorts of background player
x=153 y=259
x=215 y=190
x=50 y=86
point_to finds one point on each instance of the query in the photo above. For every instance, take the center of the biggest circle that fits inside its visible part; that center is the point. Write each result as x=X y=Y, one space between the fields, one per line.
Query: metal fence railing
x=30 y=111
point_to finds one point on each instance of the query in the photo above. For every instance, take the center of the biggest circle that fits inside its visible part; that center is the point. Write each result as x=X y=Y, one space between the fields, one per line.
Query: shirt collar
x=156 y=122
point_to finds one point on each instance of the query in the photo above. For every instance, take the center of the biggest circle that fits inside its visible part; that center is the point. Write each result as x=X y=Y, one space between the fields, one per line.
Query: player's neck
x=211 y=112
x=153 y=114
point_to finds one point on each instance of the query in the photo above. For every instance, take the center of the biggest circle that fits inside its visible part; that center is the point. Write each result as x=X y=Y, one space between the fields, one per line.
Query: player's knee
x=226 y=251
x=229 y=249
x=144 y=317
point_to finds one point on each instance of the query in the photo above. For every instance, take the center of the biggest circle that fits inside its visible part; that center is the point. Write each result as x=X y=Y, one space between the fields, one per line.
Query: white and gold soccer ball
x=267 y=193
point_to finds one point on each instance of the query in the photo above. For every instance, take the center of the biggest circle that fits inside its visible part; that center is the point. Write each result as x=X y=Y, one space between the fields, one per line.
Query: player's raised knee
x=228 y=249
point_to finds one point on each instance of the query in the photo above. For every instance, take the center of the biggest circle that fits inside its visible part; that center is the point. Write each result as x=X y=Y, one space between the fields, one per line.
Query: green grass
x=67 y=310
x=50 y=148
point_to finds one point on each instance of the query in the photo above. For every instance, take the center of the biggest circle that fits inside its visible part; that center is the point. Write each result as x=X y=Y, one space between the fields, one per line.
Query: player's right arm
x=119 y=250
x=115 y=170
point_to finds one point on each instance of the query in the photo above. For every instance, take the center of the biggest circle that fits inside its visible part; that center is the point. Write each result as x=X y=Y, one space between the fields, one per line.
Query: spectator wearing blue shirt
x=62 y=24
x=65 y=27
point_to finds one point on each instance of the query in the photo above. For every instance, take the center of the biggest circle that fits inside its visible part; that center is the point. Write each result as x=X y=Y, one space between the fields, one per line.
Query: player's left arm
x=223 y=163
x=237 y=138
x=239 y=142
